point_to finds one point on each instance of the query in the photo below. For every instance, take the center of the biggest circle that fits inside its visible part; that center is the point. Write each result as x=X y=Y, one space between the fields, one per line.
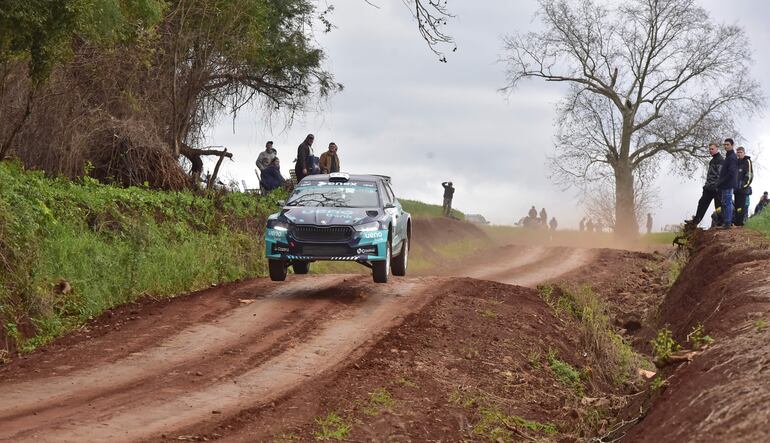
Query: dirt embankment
x=722 y=395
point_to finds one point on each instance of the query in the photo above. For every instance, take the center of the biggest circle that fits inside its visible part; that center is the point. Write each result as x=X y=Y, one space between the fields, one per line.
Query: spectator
x=762 y=203
x=304 y=166
x=590 y=225
x=727 y=182
x=649 y=222
x=266 y=157
x=330 y=162
x=582 y=224
x=554 y=224
x=449 y=192
x=599 y=226
x=271 y=176
x=743 y=186
x=710 y=191
x=543 y=217
x=533 y=213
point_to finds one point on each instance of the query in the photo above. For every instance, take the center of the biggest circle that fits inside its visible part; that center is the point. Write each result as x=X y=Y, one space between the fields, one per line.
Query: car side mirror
x=390 y=206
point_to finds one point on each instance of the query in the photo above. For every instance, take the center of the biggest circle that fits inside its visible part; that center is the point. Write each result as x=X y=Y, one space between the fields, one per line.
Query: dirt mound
x=722 y=394
x=436 y=230
x=473 y=366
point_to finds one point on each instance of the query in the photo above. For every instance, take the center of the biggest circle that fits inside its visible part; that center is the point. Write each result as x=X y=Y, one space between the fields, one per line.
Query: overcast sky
x=404 y=114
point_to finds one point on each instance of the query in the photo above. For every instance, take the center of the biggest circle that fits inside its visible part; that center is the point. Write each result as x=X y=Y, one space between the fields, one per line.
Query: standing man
x=649 y=222
x=710 y=191
x=533 y=213
x=266 y=157
x=582 y=224
x=743 y=186
x=727 y=182
x=554 y=224
x=304 y=151
x=449 y=192
x=590 y=225
x=330 y=162
x=544 y=217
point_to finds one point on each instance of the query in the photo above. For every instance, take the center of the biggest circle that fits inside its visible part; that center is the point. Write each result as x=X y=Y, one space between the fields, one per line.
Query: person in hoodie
x=271 y=176
x=727 y=183
x=763 y=201
x=743 y=186
x=710 y=191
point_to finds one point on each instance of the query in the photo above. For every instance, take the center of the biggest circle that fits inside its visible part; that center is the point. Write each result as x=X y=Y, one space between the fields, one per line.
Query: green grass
x=566 y=373
x=615 y=359
x=113 y=245
x=760 y=223
x=420 y=209
x=332 y=427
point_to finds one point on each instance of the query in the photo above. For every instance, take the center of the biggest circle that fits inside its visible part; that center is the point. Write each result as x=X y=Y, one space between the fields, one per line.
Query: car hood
x=330 y=216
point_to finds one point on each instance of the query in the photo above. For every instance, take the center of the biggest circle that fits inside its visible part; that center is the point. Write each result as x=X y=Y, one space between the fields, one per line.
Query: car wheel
x=402 y=261
x=381 y=269
x=277 y=270
x=301 y=267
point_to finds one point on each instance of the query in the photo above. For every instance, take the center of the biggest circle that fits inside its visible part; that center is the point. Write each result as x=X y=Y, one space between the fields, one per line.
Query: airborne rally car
x=340 y=217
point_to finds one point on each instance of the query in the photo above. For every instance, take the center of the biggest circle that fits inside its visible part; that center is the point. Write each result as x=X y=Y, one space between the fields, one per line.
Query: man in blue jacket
x=727 y=182
x=271 y=176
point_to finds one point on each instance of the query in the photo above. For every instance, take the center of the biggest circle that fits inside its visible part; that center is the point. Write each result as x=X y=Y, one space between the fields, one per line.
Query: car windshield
x=337 y=195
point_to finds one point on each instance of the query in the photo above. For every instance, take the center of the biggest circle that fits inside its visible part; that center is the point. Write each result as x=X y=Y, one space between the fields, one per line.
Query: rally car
x=340 y=217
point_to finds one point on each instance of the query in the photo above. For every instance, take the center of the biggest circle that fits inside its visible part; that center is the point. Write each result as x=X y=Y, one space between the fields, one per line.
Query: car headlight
x=278 y=225
x=368 y=227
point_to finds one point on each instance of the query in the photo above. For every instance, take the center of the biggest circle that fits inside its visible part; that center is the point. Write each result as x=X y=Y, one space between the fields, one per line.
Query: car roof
x=359 y=177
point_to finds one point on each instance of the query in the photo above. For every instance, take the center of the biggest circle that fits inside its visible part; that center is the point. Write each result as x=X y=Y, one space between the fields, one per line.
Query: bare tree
x=599 y=201
x=648 y=78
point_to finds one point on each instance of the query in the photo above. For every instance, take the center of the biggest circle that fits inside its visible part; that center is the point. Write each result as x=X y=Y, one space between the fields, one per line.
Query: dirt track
x=224 y=350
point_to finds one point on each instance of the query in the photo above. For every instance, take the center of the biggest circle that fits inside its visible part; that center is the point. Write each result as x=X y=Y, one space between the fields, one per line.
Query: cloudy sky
x=404 y=114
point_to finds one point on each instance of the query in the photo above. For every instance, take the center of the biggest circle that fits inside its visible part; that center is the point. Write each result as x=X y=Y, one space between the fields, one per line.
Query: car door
x=397 y=215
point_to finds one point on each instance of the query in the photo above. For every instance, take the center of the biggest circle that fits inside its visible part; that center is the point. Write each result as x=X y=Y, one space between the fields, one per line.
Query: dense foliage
x=69 y=250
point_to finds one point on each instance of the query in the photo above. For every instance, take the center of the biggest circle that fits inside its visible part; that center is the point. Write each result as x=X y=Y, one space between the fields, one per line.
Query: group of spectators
x=532 y=220
x=588 y=225
x=306 y=163
x=728 y=185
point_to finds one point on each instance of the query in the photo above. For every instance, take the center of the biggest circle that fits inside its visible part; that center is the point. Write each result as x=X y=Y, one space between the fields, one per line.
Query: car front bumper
x=362 y=247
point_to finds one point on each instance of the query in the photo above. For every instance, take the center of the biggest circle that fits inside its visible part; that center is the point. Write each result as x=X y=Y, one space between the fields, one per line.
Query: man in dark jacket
x=727 y=182
x=271 y=176
x=743 y=188
x=763 y=201
x=304 y=152
x=710 y=191
x=449 y=192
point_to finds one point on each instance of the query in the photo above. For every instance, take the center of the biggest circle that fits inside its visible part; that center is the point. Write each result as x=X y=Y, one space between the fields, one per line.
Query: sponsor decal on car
x=280 y=249
x=368 y=250
x=372 y=234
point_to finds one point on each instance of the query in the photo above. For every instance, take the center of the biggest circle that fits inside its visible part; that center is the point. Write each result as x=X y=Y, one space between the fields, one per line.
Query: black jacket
x=449 y=190
x=712 y=176
x=303 y=153
x=272 y=178
x=729 y=173
x=745 y=174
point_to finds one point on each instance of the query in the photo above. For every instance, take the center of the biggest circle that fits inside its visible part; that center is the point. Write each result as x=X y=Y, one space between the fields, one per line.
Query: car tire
x=401 y=262
x=301 y=267
x=381 y=268
x=277 y=270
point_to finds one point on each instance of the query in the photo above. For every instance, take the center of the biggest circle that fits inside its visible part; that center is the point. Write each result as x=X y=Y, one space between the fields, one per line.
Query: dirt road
x=158 y=368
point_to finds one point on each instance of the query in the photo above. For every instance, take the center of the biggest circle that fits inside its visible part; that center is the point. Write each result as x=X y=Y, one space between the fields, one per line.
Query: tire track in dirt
x=209 y=338
x=255 y=357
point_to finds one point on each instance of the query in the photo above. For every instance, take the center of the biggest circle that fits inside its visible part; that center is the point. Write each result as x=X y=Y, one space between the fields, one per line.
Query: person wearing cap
x=304 y=162
x=266 y=157
x=271 y=176
x=743 y=186
x=329 y=161
x=763 y=201
x=449 y=192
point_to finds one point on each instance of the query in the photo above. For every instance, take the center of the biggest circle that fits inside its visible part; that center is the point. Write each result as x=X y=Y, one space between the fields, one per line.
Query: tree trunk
x=625 y=211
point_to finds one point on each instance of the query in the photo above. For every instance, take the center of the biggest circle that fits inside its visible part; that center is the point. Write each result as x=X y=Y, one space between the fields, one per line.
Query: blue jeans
x=727 y=206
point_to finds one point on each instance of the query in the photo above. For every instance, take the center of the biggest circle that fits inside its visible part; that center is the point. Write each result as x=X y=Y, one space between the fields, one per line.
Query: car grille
x=322 y=234
x=326 y=250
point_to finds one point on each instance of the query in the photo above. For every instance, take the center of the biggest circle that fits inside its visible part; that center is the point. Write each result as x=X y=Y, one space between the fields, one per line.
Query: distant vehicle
x=476 y=219
x=340 y=217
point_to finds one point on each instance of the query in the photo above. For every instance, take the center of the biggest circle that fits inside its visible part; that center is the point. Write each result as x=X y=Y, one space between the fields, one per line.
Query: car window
x=337 y=195
x=391 y=198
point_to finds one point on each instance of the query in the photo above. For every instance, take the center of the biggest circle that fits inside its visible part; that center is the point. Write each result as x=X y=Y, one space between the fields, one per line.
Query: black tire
x=277 y=270
x=301 y=267
x=381 y=269
x=401 y=262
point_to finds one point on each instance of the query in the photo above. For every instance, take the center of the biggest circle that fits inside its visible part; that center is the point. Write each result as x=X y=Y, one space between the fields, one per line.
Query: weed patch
x=331 y=427
x=568 y=375
x=663 y=345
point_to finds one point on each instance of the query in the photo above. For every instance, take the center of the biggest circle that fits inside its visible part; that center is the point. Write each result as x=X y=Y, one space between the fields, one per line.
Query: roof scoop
x=372 y=213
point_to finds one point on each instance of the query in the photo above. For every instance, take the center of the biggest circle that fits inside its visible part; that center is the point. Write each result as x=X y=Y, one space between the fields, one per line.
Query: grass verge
x=71 y=250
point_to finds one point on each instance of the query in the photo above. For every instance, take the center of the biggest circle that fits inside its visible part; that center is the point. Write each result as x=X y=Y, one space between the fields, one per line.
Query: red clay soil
x=724 y=393
x=471 y=366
